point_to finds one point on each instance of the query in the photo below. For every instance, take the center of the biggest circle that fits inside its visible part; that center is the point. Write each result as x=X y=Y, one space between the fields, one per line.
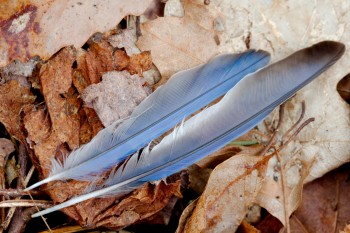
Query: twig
x=274 y=135
x=24 y=203
x=302 y=227
x=305 y=123
x=20 y=219
x=25 y=183
x=286 y=210
x=18 y=192
x=298 y=121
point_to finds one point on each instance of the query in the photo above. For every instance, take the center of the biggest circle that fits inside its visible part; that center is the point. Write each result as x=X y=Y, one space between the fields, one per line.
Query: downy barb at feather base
x=185 y=93
x=243 y=107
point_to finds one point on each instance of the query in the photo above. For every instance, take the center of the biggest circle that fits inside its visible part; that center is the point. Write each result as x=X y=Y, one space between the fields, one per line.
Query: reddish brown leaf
x=325 y=205
x=13 y=99
x=40 y=27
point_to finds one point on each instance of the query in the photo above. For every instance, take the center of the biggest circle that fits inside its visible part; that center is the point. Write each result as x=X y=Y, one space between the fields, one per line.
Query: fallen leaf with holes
x=116 y=87
x=13 y=99
x=38 y=27
x=325 y=206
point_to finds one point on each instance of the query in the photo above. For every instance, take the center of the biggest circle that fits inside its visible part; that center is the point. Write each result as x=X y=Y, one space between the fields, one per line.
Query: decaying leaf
x=11 y=170
x=13 y=99
x=6 y=148
x=343 y=87
x=346 y=229
x=19 y=71
x=325 y=206
x=233 y=185
x=65 y=123
x=116 y=87
x=38 y=27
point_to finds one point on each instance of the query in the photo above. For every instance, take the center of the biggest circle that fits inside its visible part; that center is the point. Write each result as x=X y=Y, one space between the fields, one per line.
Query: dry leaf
x=6 y=148
x=19 y=71
x=325 y=206
x=346 y=229
x=13 y=99
x=125 y=39
x=11 y=170
x=38 y=27
x=234 y=26
x=64 y=116
x=116 y=96
x=343 y=88
x=232 y=188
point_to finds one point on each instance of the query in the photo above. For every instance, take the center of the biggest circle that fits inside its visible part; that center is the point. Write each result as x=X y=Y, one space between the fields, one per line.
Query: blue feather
x=244 y=106
x=185 y=93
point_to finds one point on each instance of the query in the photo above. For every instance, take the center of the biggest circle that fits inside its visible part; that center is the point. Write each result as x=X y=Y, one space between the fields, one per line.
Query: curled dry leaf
x=116 y=87
x=38 y=27
x=13 y=99
x=231 y=189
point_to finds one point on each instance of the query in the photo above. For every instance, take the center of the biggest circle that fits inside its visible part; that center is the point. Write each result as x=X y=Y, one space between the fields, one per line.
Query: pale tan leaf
x=232 y=188
x=39 y=27
x=116 y=87
x=233 y=26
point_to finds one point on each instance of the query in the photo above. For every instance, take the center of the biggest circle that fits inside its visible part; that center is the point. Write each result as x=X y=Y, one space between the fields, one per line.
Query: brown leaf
x=233 y=184
x=11 y=170
x=13 y=99
x=38 y=27
x=176 y=44
x=6 y=148
x=325 y=206
x=55 y=80
x=343 y=87
x=245 y=227
x=139 y=63
x=65 y=123
x=346 y=229
x=37 y=132
x=19 y=71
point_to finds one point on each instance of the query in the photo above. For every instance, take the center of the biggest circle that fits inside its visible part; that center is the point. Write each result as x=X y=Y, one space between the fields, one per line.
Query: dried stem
x=298 y=121
x=283 y=183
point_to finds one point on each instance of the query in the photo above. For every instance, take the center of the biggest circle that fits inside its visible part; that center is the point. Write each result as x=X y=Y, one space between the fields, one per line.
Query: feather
x=243 y=107
x=185 y=93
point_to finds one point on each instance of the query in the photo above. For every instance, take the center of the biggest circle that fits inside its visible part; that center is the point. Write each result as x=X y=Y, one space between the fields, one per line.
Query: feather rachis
x=185 y=93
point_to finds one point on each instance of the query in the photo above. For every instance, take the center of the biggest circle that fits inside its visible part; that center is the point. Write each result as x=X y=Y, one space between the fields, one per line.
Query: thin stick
x=298 y=121
x=286 y=210
x=25 y=183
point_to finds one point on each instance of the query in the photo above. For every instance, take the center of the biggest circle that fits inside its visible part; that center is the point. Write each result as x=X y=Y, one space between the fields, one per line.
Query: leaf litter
x=83 y=67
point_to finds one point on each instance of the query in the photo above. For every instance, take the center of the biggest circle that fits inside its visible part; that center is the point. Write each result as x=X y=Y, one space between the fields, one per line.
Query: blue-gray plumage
x=185 y=93
x=243 y=107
